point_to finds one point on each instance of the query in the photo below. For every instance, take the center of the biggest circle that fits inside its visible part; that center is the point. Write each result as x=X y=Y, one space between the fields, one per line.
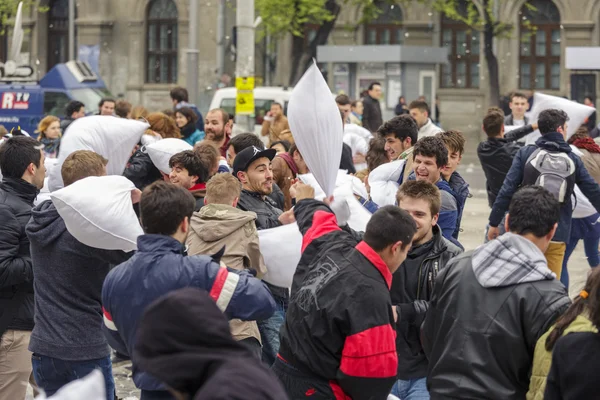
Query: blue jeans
x=51 y=373
x=269 y=330
x=413 y=389
x=587 y=229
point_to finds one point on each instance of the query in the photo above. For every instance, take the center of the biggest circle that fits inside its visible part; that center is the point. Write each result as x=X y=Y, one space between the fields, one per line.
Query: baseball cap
x=245 y=157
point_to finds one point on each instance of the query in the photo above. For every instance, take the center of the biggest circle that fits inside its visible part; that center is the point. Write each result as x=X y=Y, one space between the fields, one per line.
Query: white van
x=264 y=96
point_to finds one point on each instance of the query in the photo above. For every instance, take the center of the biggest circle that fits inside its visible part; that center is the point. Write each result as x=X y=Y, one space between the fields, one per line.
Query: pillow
x=281 y=249
x=317 y=126
x=161 y=152
x=98 y=212
x=111 y=137
x=578 y=113
x=44 y=194
x=383 y=181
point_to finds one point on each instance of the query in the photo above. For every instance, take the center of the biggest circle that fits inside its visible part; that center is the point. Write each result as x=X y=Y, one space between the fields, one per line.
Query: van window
x=55 y=103
x=261 y=107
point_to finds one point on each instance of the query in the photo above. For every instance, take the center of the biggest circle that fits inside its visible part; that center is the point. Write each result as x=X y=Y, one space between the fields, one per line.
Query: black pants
x=300 y=386
x=156 y=395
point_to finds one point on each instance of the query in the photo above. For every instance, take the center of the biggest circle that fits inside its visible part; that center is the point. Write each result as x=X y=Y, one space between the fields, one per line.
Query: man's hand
x=493 y=232
x=359 y=159
x=534 y=126
x=136 y=196
x=302 y=191
x=395 y=311
x=287 y=217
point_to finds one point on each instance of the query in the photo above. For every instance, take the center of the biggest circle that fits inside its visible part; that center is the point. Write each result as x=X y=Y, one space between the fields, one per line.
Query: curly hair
x=163 y=125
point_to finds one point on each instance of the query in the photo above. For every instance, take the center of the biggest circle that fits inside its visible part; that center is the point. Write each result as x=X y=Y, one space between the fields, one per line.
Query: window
x=261 y=108
x=161 y=43
x=55 y=103
x=387 y=28
x=540 y=51
x=462 y=70
x=58 y=32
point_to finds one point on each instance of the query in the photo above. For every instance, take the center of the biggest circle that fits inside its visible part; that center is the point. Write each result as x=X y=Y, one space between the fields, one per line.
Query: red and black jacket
x=339 y=326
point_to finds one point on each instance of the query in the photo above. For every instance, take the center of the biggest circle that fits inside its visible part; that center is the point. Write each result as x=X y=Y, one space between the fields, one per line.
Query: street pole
x=245 y=51
x=221 y=39
x=268 y=60
x=71 y=30
x=192 y=53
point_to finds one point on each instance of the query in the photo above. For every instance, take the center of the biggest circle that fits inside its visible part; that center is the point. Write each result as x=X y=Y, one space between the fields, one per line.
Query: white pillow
x=98 y=212
x=111 y=137
x=578 y=113
x=161 y=152
x=383 y=181
x=281 y=249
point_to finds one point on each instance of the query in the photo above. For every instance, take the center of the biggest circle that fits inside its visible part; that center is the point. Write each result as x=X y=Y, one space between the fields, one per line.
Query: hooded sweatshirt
x=68 y=277
x=218 y=225
x=199 y=357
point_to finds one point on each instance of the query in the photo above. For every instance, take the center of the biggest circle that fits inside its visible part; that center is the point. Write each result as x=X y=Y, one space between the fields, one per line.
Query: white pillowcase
x=281 y=249
x=111 y=137
x=98 y=211
x=383 y=181
x=161 y=152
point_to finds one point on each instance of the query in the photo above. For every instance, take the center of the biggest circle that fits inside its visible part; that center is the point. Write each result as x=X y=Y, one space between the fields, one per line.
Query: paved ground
x=473 y=224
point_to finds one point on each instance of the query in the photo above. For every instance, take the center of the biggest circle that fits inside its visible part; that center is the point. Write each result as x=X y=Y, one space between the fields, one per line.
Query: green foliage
x=8 y=10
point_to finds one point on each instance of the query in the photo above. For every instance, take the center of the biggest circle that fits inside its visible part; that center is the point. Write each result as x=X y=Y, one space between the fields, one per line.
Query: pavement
x=473 y=226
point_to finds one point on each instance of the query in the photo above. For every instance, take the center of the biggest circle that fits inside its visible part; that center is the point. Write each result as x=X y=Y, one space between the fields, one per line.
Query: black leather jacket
x=141 y=170
x=16 y=272
x=412 y=363
x=267 y=213
x=480 y=341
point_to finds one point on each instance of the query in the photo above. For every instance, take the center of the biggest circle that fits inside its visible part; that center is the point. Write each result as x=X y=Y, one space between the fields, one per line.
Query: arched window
x=387 y=28
x=540 y=50
x=462 y=70
x=161 y=43
x=58 y=32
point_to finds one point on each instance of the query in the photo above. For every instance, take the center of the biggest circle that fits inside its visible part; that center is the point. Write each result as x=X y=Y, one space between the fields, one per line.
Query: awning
x=582 y=58
x=383 y=53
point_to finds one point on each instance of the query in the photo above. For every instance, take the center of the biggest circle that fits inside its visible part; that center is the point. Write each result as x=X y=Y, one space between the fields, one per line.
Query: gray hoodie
x=68 y=278
x=509 y=260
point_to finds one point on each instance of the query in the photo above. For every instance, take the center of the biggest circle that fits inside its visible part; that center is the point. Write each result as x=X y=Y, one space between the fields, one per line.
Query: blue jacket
x=460 y=190
x=159 y=267
x=195 y=137
x=555 y=142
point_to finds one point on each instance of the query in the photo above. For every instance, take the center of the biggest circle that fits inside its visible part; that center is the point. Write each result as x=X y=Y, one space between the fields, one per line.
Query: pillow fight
x=327 y=264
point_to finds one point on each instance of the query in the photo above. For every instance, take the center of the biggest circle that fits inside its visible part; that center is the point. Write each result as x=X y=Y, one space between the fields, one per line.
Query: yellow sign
x=244 y=83
x=244 y=102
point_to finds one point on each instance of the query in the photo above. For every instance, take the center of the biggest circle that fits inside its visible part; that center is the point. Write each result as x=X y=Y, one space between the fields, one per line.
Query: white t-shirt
x=518 y=122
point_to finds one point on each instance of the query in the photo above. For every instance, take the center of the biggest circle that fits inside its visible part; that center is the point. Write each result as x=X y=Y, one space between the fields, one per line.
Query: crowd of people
x=397 y=309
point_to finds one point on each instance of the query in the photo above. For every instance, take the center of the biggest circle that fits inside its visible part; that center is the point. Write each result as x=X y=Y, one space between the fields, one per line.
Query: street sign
x=244 y=102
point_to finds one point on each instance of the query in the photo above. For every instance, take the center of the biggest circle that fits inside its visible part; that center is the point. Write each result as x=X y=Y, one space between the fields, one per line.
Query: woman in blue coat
x=186 y=118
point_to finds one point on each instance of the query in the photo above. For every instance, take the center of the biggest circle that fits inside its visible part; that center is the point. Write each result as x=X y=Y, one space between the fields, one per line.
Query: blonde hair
x=45 y=124
x=81 y=164
x=163 y=125
x=223 y=189
x=139 y=112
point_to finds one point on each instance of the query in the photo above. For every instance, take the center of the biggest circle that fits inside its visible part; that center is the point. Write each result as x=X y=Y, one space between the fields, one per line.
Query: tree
x=8 y=9
x=482 y=19
x=281 y=17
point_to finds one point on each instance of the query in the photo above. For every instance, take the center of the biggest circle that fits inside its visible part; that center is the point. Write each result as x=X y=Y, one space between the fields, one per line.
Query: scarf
x=588 y=144
x=187 y=130
x=50 y=145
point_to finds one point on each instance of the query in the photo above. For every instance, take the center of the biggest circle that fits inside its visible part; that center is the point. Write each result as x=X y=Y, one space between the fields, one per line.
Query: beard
x=259 y=187
x=215 y=136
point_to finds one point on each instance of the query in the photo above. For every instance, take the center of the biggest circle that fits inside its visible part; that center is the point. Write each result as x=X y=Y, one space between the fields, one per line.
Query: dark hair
x=579 y=306
x=389 y=225
x=180 y=94
x=189 y=160
x=517 y=94
x=376 y=155
x=106 y=100
x=533 y=210
x=589 y=98
x=245 y=140
x=373 y=84
x=73 y=107
x=402 y=127
x=421 y=105
x=286 y=145
x=188 y=113
x=432 y=146
x=421 y=190
x=355 y=103
x=493 y=121
x=454 y=140
x=17 y=153
x=224 y=114
x=550 y=120
x=342 y=100
x=122 y=108
x=209 y=157
x=164 y=206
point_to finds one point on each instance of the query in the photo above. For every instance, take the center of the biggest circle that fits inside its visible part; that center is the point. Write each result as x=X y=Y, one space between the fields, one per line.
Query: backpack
x=552 y=170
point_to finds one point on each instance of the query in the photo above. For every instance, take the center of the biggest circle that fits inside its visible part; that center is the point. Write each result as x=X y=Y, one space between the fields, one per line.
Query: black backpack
x=552 y=170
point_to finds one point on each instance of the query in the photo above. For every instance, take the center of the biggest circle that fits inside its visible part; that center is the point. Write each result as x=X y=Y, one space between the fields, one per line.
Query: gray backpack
x=552 y=170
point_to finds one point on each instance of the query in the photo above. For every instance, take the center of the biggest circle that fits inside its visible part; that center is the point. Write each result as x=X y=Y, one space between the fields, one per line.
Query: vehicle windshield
x=90 y=97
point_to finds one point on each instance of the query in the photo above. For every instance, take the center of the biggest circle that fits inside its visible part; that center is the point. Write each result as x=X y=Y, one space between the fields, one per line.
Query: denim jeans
x=587 y=229
x=413 y=389
x=51 y=373
x=269 y=330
